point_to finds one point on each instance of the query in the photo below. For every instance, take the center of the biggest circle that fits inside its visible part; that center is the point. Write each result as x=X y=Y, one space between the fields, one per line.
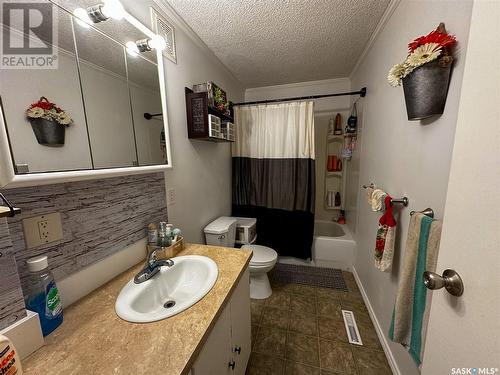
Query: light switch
x=42 y=229
x=170 y=197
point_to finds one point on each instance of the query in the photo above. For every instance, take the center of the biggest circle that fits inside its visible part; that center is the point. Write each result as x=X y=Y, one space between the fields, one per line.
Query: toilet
x=222 y=232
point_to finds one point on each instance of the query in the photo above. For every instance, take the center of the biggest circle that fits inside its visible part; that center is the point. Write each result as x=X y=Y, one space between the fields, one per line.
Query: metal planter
x=48 y=133
x=426 y=89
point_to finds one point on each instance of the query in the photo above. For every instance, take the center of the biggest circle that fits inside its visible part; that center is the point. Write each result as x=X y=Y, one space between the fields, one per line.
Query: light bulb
x=132 y=49
x=158 y=42
x=82 y=18
x=113 y=9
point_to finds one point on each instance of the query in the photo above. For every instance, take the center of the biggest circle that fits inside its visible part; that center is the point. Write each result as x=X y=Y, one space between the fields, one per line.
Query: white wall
x=324 y=108
x=406 y=158
x=201 y=173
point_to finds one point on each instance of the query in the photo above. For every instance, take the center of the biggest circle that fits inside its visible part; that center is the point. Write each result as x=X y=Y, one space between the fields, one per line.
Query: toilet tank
x=221 y=232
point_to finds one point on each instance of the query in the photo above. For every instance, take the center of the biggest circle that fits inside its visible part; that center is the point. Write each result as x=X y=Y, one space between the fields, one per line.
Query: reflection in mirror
x=145 y=98
x=58 y=147
x=103 y=76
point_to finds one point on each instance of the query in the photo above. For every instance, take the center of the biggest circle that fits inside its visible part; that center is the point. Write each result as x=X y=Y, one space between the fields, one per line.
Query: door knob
x=450 y=280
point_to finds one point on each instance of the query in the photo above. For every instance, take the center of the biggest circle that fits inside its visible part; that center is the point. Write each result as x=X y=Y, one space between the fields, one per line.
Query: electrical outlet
x=43 y=229
x=170 y=197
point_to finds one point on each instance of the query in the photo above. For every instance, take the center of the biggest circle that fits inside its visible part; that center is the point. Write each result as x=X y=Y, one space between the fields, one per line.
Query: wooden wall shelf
x=197 y=111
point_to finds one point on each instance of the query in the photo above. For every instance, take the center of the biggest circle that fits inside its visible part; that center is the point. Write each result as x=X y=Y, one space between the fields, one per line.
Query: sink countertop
x=94 y=340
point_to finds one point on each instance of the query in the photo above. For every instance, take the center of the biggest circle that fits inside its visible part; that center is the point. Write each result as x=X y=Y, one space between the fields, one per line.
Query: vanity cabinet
x=227 y=349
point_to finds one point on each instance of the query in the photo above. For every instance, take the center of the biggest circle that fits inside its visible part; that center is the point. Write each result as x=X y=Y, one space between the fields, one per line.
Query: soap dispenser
x=42 y=295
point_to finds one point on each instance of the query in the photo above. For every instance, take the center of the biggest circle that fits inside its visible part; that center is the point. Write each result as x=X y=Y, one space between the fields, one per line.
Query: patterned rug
x=314 y=276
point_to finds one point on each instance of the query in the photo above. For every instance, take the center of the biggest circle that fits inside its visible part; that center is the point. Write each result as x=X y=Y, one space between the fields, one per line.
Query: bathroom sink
x=172 y=290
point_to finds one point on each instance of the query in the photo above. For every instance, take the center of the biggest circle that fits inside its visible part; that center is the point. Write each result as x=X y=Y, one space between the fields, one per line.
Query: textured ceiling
x=268 y=42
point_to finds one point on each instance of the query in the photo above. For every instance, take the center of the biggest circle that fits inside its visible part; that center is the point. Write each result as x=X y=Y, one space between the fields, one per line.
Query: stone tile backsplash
x=99 y=217
x=11 y=295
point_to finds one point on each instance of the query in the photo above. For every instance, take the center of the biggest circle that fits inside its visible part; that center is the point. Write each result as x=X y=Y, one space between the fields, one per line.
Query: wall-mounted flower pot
x=48 y=133
x=426 y=89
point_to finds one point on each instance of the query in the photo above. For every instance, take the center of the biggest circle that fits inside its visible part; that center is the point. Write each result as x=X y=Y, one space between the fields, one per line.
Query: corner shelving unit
x=334 y=180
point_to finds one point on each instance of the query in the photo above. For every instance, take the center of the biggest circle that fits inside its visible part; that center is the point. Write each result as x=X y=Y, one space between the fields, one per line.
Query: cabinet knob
x=232 y=364
x=237 y=349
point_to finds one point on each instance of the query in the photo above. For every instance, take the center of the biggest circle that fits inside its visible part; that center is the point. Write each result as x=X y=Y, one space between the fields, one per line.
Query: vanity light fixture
x=156 y=42
x=100 y=12
x=82 y=18
x=132 y=48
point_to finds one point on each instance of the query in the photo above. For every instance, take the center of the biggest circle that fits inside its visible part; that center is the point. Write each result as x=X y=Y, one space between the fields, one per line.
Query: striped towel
x=411 y=309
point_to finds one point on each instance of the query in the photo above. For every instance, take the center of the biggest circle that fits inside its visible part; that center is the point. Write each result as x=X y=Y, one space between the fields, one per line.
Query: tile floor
x=299 y=330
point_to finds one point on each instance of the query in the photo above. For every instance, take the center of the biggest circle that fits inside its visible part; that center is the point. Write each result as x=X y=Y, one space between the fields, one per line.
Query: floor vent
x=351 y=327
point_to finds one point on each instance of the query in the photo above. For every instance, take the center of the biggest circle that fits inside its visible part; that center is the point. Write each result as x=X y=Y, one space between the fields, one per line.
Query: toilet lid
x=261 y=254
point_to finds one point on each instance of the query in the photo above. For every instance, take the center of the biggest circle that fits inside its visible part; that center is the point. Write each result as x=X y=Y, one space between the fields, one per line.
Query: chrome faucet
x=152 y=265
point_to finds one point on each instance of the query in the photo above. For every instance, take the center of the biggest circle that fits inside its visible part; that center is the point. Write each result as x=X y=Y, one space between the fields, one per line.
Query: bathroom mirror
x=104 y=90
x=145 y=99
x=103 y=77
x=19 y=88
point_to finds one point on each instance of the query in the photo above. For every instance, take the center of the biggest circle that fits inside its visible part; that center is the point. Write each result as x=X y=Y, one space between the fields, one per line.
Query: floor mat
x=315 y=276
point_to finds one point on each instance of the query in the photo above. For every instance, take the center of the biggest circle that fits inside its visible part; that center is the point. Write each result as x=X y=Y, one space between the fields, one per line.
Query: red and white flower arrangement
x=433 y=46
x=48 y=111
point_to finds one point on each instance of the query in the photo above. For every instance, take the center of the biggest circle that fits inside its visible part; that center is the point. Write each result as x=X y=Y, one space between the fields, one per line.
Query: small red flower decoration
x=48 y=111
x=443 y=39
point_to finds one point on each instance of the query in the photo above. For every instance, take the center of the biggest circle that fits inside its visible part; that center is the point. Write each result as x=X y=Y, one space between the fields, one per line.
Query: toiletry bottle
x=152 y=234
x=176 y=232
x=331 y=127
x=338 y=124
x=329 y=199
x=352 y=121
x=164 y=239
x=10 y=364
x=337 y=199
x=42 y=295
x=341 y=218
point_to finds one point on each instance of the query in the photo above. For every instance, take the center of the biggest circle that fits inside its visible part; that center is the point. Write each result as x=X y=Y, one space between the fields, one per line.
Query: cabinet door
x=216 y=354
x=241 y=324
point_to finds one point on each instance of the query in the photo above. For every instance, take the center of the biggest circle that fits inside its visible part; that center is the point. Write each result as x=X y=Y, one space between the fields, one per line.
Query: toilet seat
x=262 y=255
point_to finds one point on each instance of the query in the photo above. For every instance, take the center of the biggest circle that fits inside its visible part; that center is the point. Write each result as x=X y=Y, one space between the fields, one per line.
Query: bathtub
x=333 y=247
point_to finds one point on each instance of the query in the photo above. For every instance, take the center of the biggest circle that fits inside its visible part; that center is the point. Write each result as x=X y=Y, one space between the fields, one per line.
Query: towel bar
x=8 y=210
x=404 y=201
x=427 y=212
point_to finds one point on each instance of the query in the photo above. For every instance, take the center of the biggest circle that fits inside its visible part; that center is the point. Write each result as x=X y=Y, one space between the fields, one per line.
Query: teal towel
x=419 y=292
x=410 y=313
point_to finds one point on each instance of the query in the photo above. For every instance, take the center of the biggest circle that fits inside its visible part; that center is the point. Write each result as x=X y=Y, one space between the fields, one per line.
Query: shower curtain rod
x=361 y=93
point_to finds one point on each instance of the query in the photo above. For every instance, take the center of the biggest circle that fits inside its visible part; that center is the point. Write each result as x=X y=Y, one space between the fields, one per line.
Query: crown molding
x=380 y=26
x=323 y=82
x=170 y=13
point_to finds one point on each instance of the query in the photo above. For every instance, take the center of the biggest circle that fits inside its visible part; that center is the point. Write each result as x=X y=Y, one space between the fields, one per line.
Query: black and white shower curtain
x=273 y=174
